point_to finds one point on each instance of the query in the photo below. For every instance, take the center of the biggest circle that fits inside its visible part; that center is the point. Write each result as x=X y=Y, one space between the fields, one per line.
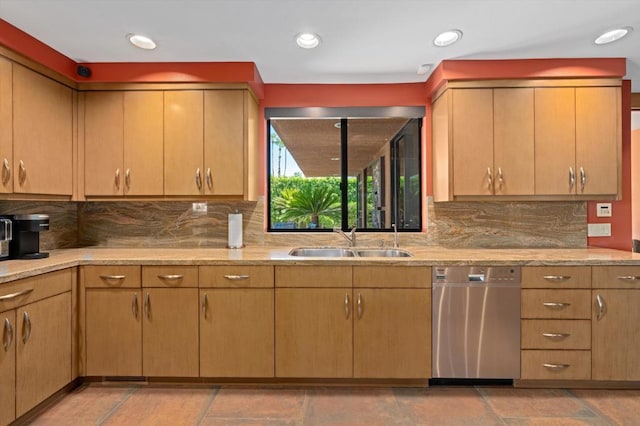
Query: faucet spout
x=395 y=235
x=351 y=238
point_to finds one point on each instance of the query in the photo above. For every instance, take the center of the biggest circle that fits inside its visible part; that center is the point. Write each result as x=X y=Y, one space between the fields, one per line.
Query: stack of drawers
x=556 y=323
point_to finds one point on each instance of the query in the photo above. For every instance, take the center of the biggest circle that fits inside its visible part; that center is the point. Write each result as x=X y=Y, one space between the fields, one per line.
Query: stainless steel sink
x=348 y=252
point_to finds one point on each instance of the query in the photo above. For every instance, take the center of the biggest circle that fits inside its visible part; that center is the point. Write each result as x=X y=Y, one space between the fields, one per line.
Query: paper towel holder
x=235 y=232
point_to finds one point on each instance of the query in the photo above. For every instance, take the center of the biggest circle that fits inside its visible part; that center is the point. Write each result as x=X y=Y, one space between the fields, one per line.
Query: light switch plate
x=603 y=210
x=598 y=230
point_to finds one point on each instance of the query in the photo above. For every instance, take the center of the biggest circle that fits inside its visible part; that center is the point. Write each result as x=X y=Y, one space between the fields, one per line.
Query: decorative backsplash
x=176 y=224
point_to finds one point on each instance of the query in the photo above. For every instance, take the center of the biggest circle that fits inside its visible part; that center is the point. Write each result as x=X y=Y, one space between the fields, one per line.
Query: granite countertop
x=59 y=259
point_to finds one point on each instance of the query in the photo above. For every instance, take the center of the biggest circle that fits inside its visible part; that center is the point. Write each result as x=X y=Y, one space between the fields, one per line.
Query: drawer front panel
x=28 y=290
x=392 y=276
x=556 y=277
x=624 y=277
x=556 y=334
x=111 y=276
x=313 y=276
x=556 y=304
x=236 y=276
x=556 y=365
x=169 y=276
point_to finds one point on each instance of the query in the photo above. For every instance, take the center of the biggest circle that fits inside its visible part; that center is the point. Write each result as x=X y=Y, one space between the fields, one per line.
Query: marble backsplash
x=175 y=224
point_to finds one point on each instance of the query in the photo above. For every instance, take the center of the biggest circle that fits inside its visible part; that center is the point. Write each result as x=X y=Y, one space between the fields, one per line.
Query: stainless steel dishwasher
x=476 y=322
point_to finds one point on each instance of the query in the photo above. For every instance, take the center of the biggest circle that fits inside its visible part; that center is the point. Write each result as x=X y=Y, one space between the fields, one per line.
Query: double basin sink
x=348 y=252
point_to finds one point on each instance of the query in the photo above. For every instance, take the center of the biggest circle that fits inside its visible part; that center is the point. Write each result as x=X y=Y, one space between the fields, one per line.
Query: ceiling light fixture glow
x=447 y=38
x=308 y=40
x=613 y=35
x=143 y=42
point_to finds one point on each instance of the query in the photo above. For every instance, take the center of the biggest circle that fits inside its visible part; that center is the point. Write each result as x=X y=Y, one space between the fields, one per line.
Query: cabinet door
x=392 y=333
x=6 y=126
x=42 y=134
x=555 y=141
x=236 y=333
x=8 y=367
x=43 y=350
x=170 y=332
x=513 y=154
x=472 y=141
x=114 y=333
x=143 y=143
x=224 y=142
x=314 y=332
x=615 y=342
x=598 y=139
x=103 y=132
x=183 y=142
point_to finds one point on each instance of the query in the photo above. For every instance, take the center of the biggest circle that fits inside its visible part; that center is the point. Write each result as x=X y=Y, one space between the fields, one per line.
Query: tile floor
x=99 y=404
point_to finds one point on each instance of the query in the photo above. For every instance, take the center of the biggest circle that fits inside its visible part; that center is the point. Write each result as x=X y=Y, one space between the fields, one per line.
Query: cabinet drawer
x=556 y=277
x=169 y=276
x=236 y=276
x=556 y=365
x=313 y=276
x=556 y=334
x=28 y=290
x=392 y=276
x=551 y=304
x=616 y=277
x=117 y=276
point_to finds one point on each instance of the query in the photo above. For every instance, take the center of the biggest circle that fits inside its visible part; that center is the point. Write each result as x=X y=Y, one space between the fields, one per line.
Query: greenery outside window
x=344 y=168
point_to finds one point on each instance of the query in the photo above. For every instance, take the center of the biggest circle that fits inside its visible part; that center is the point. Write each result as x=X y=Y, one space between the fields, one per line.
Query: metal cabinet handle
x=601 y=307
x=134 y=305
x=6 y=173
x=583 y=179
x=205 y=305
x=198 y=178
x=556 y=366
x=26 y=327
x=489 y=178
x=22 y=173
x=16 y=294
x=209 y=179
x=147 y=305
x=629 y=278
x=7 y=338
x=556 y=335
x=500 y=177
x=556 y=305
x=171 y=277
x=359 y=306
x=557 y=277
x=116 y=179
x=237 y=277
x=572 y=178
x=127 y=178
x=113 y=277
x=346 y=306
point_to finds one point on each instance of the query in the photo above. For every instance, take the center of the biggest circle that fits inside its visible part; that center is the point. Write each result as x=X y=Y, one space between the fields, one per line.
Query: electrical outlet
x=199 y=207
x=603 y=210
x=598 y=230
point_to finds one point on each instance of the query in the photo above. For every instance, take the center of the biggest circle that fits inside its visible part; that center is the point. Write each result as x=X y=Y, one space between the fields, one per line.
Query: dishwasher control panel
x=476 y=274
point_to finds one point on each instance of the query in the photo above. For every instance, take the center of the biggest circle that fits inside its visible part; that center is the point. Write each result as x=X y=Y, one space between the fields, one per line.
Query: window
x=344 y=168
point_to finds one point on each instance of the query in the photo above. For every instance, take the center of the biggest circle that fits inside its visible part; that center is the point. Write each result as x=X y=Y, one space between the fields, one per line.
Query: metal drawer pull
x=489 y=178
x=134 y=305
x=500 y=177
x=600 y=302
x=359 y=306
x=583 y=179
x=205 y=305
x=556 y=366
x=26 y=327
x=198 y=178
x=572 y=178
x=117 y=179
x=7 y=172
x=346 y=305
x=113 y=277
x=22 y=173
x=16 y=294
x=557 y=277
x=630 y=278
x=556 y=305
x=127 y=178
x=556 y=335
x=236 y=277
x=7 y=339
x=147 y=305
x=209 y=179
x=171 y=277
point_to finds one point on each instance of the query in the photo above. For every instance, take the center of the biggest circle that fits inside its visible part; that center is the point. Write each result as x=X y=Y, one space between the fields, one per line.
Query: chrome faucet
x=395 y=235
x=351 y=238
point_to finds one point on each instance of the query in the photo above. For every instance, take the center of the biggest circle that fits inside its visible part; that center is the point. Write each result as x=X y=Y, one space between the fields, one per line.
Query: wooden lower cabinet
x=236 y=332
x=43 y=351
x=8 y=367
x=555 y=365
x=114 y=332
x=392 y=333
x=314 y=332
x=170 y=332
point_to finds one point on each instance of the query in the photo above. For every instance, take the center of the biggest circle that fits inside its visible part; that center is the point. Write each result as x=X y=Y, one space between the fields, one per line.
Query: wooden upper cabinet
x=42 y=134
x=555 y=141
x=598 y=136
x=183 y=142
x=224 y=142
x=513 y=147
x=6 y=129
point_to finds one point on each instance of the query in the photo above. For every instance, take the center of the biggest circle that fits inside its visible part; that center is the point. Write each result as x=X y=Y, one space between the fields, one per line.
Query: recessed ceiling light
x=308 y=40
x=424 y=68
x=613 y=35
x=447 y=38
x=143 y=42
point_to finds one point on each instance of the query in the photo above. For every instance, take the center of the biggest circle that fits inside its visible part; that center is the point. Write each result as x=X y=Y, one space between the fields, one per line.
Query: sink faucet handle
x=395 y=235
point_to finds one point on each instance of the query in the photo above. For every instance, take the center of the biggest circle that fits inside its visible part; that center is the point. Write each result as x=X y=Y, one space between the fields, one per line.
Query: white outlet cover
x=199 y=207
x=603 y=210
x=598 y=230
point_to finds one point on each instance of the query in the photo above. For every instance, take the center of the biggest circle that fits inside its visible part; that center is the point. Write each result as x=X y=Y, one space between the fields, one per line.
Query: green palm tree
x=310 y=205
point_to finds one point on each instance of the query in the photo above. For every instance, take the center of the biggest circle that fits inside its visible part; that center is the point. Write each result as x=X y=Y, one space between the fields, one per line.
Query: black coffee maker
x=25 y=243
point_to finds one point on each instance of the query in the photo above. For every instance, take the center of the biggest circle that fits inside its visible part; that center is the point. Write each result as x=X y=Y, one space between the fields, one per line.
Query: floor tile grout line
x=130 y=391
x=485 y=401
x=595 y=410
x=203 y=412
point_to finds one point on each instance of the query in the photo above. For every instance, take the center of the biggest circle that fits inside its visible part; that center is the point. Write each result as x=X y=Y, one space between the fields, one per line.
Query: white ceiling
x=363 y=41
